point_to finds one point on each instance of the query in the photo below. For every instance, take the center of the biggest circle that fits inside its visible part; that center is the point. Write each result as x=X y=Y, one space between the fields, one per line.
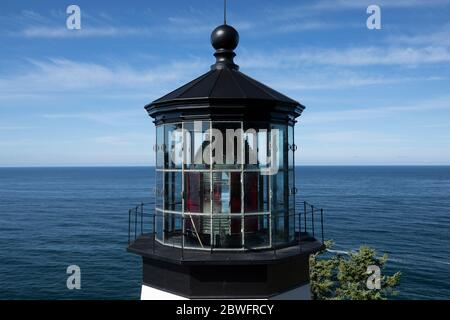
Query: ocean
x=51 y=218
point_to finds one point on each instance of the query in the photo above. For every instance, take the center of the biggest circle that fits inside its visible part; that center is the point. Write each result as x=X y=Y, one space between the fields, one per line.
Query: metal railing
x=308 y=222
x=141 y=221
x=310 y=219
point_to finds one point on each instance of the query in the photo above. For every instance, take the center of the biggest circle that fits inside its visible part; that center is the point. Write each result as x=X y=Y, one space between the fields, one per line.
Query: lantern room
x=225 y=149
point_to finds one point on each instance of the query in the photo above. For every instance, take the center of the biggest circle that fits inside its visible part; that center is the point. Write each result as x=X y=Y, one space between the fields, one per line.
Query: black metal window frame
x=289 y=191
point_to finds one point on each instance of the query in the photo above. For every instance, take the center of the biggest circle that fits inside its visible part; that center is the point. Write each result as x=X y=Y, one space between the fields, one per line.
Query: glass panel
x=197 y=231
x=257 y=232
x=278 y=146
x=159 y=225
x=283 y=227
x=226 y=192
x=256 y=195
x=173 y=139
x=160 y=147
x=291 y=228
x=172 y=191
x=159 y=190
x=292 y=190
x=227 y=231
x=278 y=191
x=196 y=143
x=197 y=186
x=227 y=145
x=279 y=224
x=257 y=138
x=173 y=225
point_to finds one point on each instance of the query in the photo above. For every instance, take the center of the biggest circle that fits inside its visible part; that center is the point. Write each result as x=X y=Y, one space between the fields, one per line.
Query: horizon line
x=152 y=166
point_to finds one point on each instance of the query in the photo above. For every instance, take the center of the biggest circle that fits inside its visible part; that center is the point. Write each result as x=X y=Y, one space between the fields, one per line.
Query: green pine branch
x=344 y=276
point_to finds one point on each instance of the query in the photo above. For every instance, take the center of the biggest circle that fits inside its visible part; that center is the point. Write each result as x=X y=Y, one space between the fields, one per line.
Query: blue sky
x=372 y=96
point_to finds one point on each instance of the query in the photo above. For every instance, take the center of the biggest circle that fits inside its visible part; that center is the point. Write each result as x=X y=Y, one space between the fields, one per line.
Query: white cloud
x=352 y=4
x=31 y=24
x=66 y=76
x=305 y=26
x=351 y=137
x=436 y=125
x=345 y=115
x=12 y=128
x=438 y=38
x=341 y=154
x=328 y=80
x=335 y=5
x=62 y=76
x=100 y=116
x=24 y=18
x=31 y=15
x=113 y=31
x=319 y=8
x=125 y=140
x=356 y=56
x=106 y=31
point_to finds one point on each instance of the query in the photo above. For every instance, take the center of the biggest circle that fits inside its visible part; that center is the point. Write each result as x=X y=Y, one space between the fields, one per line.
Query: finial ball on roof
x=225 y=37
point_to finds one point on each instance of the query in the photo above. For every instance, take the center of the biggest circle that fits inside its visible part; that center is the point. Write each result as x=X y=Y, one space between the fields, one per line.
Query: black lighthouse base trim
x=224 y=275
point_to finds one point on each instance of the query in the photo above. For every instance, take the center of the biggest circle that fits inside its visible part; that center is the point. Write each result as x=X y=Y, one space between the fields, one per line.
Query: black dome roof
x=224 y=84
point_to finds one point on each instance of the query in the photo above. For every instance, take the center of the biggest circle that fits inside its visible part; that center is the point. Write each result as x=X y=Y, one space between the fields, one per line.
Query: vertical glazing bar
x=304 y=212
x=156 y=193
x=211 y=237
x=154 y=230
x=135 y=222
x=183 y=164
x=312 y=219
x=182 y=237
x=242 y=188
x=273 y=156
x=275 y=249
x=321 y=223
x=165 y=200
x=142 y=218
x=294 y=200
x=270 y=189
x=295 y=223
x=129 y=227
x=299 y=229
x=286 y=186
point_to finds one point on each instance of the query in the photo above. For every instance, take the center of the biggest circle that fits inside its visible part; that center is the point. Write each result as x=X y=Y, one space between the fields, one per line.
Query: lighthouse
x=225 y=223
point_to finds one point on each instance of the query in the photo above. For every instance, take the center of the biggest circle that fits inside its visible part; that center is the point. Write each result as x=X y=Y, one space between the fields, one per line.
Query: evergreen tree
x=344 y=276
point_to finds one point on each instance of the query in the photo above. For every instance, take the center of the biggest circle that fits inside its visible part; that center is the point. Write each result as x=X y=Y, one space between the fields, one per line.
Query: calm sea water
x=54 y=217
